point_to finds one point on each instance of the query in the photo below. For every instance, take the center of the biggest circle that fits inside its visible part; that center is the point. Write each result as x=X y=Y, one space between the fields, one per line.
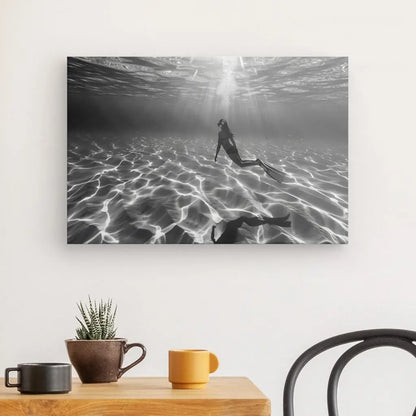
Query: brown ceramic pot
x=100 y=361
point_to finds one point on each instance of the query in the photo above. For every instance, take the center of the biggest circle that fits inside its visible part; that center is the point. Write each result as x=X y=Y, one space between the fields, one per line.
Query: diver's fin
x=274 y=173
x=280 y=221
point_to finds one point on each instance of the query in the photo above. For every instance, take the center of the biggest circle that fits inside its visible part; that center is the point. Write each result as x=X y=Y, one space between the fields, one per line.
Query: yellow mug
x=190 y=369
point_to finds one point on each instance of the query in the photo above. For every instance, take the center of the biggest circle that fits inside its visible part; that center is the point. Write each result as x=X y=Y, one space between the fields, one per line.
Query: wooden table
x=225 y=396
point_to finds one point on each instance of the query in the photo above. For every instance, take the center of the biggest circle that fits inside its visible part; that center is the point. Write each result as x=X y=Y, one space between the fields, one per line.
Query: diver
x=230 y=234
x=226 y=140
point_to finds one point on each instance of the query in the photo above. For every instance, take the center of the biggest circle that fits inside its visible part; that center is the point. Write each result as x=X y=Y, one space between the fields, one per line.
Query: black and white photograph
x=207 y=150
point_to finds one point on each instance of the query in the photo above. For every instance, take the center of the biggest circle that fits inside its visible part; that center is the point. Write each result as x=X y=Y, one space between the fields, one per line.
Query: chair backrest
x=367 y=340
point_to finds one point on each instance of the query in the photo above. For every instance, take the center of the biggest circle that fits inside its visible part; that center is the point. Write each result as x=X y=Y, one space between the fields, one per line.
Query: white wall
x=257 y=307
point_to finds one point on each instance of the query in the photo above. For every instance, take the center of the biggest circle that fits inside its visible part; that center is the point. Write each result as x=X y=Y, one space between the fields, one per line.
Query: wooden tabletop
x=147 y=396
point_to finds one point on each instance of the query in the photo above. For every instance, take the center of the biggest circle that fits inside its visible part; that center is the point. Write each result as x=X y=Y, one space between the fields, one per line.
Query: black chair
x=366 y=340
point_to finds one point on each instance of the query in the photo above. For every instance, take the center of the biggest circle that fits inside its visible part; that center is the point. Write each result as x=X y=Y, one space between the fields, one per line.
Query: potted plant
x=96 y=353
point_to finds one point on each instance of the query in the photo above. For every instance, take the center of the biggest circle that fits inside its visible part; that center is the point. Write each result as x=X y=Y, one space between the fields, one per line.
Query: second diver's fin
x=280 y=221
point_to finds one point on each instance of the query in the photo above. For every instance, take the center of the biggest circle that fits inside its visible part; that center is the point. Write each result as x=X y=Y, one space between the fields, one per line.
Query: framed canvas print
x=215 y=150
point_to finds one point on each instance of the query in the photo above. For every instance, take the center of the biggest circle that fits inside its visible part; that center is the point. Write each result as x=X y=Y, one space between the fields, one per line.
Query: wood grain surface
x=223 y=396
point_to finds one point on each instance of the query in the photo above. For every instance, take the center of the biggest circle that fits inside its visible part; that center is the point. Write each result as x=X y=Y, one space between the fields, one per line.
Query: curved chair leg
x=353 y=352
x=358 y=336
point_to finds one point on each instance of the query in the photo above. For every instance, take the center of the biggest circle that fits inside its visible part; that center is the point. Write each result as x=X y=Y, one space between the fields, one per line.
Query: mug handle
x=126 y=347
x=6 y=377
x=213 y=363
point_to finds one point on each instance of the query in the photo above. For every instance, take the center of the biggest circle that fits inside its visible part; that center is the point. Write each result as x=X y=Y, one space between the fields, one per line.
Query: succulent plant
x=97 y=320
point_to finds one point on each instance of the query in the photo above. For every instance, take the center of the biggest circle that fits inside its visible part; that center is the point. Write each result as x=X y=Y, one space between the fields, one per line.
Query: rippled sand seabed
x=170 y=190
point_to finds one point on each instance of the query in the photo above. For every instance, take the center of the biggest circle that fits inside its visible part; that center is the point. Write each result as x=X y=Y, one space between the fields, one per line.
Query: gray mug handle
x=6 y=376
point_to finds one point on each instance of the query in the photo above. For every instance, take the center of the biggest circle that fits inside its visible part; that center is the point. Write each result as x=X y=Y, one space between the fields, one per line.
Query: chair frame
x=367 y=340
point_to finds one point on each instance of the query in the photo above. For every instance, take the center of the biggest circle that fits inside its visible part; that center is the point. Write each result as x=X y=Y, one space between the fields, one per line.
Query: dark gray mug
x=41 y=378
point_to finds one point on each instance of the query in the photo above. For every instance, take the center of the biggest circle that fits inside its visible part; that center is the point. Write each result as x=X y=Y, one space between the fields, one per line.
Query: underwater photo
x=207 y=150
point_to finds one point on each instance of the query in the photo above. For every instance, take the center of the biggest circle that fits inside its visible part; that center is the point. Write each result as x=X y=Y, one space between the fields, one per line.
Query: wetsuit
x=228 y=143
